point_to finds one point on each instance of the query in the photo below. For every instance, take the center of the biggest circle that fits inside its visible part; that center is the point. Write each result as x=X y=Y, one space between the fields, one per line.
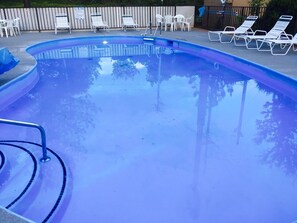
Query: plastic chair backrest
x=96 y=19
x=168 y=19
x=16 y=22
x=61 y=20
x=179 y=18
x=280 y=26
x=159 y=18
x=128 y=20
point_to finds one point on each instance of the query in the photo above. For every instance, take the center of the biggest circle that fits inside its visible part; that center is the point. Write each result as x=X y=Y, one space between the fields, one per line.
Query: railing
x=45 y=157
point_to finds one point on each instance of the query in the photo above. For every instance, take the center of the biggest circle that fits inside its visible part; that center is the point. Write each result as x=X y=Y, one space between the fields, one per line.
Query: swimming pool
x=154 y=130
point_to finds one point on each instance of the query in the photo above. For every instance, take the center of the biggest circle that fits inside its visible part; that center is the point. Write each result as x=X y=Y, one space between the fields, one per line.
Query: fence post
x=207 y=16
x=4 y=13
x=37 y=18
x=151 y=20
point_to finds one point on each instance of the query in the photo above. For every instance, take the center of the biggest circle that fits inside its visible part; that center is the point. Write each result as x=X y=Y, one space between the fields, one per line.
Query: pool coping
x=11 y=217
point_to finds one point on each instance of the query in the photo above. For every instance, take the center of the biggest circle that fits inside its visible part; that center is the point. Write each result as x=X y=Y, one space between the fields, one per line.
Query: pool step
x=28 y=187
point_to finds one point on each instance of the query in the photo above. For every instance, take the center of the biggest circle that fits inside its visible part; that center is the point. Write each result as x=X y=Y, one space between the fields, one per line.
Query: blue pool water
x=159 y=131
x=7 y=60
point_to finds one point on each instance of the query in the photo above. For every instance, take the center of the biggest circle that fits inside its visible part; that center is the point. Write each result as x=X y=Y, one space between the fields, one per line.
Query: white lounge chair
x=128 y=22
x=280 y=46
x=62 y=23
x=276 y=32
x=97 y=22
x=229 y=31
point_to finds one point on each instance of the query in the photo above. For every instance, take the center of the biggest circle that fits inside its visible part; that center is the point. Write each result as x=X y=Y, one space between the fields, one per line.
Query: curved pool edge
x=24 y=82
x=274 y=79
x=16 y=88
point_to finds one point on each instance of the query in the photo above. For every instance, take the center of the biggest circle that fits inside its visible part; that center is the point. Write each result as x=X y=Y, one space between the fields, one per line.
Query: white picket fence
x=41 y=19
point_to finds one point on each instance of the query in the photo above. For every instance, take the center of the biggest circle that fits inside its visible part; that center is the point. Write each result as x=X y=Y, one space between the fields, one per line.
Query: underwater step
x=30 y=188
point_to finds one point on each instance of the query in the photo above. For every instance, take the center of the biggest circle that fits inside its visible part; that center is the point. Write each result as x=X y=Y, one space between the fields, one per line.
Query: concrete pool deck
x=18 y=44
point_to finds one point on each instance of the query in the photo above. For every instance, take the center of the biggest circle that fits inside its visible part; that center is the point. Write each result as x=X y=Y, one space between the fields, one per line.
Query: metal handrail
x=45 y=157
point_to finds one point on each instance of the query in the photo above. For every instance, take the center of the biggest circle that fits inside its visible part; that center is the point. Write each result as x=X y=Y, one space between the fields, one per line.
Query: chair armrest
x=285 y=36
x=250 y=31
x=229 y=28
x=260 y=32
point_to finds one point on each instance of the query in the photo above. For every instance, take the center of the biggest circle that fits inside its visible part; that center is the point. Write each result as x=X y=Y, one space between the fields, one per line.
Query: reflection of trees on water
x=66 y=104
x=278 y=127
x=156 y=74
x=210 y=86
x=124 y=69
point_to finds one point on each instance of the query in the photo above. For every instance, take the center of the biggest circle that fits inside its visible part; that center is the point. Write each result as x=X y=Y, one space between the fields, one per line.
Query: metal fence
x=216 y=17
x=41 y=19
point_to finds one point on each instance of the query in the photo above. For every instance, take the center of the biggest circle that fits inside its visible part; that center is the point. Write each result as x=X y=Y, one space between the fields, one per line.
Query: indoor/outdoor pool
x=151 y=130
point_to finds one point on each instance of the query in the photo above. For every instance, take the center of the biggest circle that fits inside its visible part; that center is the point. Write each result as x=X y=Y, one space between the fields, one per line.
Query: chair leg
x=6 y=32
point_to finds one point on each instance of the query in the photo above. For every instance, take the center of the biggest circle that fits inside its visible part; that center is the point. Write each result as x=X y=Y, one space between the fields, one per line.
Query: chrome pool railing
x=45 y=157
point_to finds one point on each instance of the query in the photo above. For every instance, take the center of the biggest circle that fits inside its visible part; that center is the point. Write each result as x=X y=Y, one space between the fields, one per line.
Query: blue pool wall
x=17 y=87
x=275 y=80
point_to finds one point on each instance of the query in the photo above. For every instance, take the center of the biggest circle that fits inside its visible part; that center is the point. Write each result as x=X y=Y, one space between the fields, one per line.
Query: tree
x=276 y=8
x=27 y=4
x=256 y=3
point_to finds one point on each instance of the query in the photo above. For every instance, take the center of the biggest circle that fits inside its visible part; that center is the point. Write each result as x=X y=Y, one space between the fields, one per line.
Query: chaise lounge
x=276 y=32
x=229 y=31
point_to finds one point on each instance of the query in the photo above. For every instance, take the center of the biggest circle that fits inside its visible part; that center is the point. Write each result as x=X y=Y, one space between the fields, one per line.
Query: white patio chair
x=275 y=33
x=62 y=23
x=2 y=22
x=168 y=21
x=227 y=35
x=7 y=26
x=97 y=22
x=16 y=26
x=159 y=22
x=281 y=46
x=128 y=22
x=188 y=23
x=179 y=22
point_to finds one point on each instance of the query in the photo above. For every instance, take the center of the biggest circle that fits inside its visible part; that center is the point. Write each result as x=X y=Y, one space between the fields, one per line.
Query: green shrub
x=276 y=8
